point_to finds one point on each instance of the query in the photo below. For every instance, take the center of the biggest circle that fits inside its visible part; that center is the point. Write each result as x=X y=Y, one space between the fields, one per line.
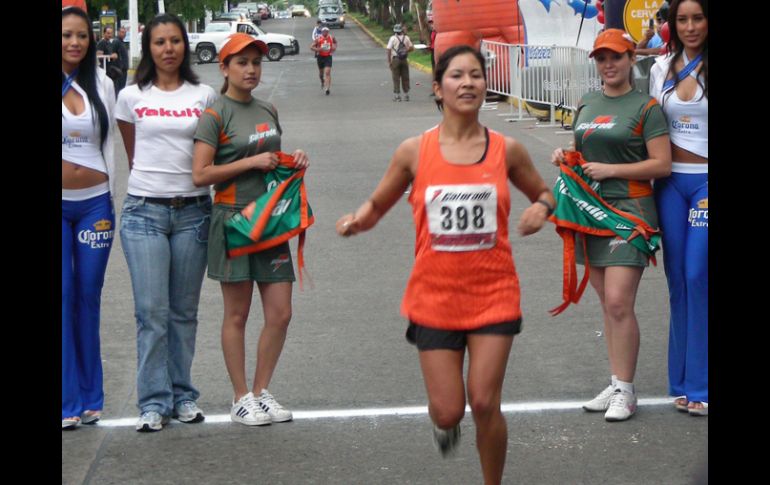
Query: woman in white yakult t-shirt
x=165 y=220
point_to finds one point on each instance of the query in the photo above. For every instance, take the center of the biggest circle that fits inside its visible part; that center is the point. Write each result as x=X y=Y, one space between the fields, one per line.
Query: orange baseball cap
x=237 y=42
x=615 y=40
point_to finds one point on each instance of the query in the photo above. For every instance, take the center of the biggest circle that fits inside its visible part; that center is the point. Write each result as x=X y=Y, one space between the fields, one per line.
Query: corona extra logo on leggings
x=100 y=237
x=700 y=217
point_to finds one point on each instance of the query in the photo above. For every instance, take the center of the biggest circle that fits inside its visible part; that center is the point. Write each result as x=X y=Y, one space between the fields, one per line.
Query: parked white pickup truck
x=206 y=45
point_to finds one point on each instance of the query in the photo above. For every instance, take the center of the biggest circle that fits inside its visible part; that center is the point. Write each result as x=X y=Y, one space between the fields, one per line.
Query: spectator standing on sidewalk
x=623 y=136
x=107 y=47
x=399 y=47
x=164 y=224
x=87 y=216
x=679 y=82
x=122 y=62
x=432 y=46
x=316 y=34
x=236 y=142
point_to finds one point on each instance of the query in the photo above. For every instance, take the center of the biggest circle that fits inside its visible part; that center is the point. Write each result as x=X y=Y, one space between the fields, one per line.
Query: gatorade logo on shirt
x=599 y=123
x=100 y=237
x=263 y=131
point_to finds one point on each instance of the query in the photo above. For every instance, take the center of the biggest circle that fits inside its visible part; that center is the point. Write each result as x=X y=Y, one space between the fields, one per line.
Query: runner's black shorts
x=324 y=61
x=428 y=338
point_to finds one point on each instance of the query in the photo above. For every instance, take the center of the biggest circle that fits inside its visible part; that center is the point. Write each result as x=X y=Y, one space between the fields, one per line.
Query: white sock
x=624 y=386
x=614 y=380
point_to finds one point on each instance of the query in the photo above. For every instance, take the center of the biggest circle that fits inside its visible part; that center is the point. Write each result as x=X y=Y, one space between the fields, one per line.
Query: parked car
x=331 y=15
x=299 y=11
x=206 y=45
x=248 y=13
x=283 y=14
x=236 y=16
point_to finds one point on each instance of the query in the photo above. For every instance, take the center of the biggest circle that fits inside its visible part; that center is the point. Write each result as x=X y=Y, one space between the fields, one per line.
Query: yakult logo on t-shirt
x=604 y=122
x=262 y=132
x=168 y=113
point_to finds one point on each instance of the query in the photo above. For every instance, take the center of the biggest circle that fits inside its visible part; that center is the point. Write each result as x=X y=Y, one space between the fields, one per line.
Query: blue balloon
x=546 y=4
x=580 y=6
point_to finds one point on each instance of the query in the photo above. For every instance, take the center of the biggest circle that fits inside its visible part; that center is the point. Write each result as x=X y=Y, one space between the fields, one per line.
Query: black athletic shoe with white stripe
x=247 y=411
x=446 y=440
x=268 y=404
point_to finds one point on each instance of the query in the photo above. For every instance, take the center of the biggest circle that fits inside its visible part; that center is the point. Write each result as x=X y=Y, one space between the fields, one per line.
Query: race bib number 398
x=461 y=217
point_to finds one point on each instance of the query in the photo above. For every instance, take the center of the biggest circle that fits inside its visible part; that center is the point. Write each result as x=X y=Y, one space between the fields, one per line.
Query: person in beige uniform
x=399 y=47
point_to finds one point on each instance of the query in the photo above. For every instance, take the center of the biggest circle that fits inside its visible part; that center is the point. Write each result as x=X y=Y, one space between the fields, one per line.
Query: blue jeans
x=86 y=239
x=165 y=248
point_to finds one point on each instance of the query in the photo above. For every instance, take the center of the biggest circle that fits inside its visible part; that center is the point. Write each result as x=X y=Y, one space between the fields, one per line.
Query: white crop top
x=80 y=136
x=688 y=121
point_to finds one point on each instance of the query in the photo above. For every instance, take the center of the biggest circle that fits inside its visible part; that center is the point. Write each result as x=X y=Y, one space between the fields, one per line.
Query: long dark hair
x=676 y=46
x=446 y=57
x=145 y=71
x=86 y=76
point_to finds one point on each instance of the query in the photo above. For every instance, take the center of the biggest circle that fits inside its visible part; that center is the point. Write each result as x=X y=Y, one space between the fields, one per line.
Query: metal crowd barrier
x=551 y=75
x=102 y=60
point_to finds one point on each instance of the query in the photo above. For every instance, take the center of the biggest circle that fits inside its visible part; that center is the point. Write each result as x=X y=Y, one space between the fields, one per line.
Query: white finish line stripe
x=527 y=407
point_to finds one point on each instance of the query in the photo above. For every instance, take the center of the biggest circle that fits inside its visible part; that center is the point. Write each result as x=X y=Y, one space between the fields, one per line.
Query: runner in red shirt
x=324 y=45
x=463 y=291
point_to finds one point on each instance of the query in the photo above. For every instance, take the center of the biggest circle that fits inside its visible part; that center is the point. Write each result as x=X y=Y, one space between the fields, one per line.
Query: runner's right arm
x=397 y=178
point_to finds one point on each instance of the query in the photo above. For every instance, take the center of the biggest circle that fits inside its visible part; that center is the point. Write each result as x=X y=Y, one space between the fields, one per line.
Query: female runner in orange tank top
x=463 y=291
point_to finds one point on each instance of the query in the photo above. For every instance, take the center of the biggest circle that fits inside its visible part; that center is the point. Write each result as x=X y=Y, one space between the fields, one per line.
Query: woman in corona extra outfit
x=87 y=219
x=236 y=141
x=463 y=291
x=165 y=221
x=680 y=84
x=622 y=135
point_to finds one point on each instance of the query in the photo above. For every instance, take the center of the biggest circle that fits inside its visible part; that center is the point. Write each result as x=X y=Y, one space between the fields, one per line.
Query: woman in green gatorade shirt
x=236 y=142
x=623 y=136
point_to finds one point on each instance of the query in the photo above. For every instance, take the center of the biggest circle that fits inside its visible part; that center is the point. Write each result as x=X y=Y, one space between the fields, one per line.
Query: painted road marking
x=510 y=408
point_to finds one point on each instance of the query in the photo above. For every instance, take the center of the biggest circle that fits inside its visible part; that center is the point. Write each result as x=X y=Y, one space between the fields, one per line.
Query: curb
x=413 y=64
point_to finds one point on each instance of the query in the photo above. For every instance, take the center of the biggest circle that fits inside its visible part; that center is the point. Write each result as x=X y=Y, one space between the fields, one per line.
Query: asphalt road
x=346 y=348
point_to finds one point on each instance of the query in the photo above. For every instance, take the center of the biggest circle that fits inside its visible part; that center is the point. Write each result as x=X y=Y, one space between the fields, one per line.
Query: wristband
x=550 y=209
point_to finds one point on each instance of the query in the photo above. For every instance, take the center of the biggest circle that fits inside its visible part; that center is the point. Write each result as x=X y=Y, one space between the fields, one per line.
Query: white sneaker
x=622 y=406
x=601 y=402
x=247 y=411
x=188 y=412
x=268 y=404
x=446 y=440
x=406 y=97
x=151 y=421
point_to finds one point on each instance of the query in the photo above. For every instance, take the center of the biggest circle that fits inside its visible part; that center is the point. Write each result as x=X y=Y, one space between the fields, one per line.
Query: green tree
x=188 y=9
